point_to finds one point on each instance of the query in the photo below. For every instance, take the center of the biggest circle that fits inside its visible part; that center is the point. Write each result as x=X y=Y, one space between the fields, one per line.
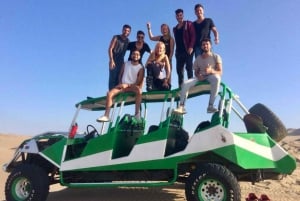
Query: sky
x=53 y=54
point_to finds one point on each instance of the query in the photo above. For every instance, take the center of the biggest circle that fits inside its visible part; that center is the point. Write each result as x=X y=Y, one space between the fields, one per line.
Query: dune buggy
x=129 y=152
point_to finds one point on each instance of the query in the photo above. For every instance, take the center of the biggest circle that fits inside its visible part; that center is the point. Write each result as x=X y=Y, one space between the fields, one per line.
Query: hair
x=136 y=50
x=179 y=10
x=139 y=32
x=125 y=26
x=158 y=44
x=198 y=5
x=205 y=40
x=169 y=32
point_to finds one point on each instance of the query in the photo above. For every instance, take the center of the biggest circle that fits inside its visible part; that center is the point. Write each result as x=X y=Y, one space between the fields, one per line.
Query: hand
x=216 y=41
x=208 y=69
x=165 y=83
x=123 y=86
x=148 y=25
x=190 y=51
x=112 y=64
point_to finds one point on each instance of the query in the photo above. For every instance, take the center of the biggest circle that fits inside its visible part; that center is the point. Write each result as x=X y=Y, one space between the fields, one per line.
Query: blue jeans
x=113 y=77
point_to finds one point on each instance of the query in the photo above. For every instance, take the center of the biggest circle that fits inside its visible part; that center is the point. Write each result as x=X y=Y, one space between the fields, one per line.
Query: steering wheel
x=92 y=133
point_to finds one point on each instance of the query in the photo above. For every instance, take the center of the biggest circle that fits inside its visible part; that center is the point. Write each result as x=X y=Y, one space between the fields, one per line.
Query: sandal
x=264 y=197
x=252 y=197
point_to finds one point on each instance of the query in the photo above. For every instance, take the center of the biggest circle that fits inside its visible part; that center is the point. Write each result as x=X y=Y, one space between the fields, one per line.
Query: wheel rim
x=211 y=189
x=21 y=188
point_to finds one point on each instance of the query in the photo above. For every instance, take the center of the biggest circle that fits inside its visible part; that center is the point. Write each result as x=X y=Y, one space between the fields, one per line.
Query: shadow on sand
x=169 y=193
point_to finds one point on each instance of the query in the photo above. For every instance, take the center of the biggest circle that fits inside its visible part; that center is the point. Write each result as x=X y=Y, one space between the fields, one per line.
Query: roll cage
x=227 y=98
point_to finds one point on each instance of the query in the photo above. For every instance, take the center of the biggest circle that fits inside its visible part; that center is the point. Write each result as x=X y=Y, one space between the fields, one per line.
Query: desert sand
x=287 y=189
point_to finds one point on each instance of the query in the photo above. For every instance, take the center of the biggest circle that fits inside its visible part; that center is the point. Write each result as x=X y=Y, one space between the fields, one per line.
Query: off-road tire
x=27 y=182
x=212 y=182
x=275 y=128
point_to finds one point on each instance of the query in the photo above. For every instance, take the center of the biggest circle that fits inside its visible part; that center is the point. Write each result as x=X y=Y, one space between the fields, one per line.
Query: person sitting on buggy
x=131 y=80
x=158 y=70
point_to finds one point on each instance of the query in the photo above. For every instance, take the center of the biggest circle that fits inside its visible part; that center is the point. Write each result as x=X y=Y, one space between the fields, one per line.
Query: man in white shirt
x=131 y=80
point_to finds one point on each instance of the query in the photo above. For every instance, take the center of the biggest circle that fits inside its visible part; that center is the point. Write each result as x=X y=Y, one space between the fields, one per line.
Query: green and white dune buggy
x=129 y=152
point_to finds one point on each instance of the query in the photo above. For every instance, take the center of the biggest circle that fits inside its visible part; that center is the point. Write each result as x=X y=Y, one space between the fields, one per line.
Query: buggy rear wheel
x=212 y=182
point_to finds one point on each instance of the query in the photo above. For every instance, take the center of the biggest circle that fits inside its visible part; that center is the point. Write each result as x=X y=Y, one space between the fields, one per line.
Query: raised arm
x=153 y=38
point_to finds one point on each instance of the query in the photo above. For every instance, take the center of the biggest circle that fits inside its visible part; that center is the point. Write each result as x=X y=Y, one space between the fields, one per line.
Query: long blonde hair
x=169 y=32
x=155 y=56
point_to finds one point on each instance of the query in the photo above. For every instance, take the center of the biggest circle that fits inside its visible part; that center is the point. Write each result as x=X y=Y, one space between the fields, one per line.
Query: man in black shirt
x=203 y=27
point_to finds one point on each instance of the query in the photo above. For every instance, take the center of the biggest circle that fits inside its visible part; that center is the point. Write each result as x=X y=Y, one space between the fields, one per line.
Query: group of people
x=192 y=39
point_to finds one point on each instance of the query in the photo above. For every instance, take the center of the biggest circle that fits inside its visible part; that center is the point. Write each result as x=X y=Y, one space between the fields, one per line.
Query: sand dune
x=287 y=189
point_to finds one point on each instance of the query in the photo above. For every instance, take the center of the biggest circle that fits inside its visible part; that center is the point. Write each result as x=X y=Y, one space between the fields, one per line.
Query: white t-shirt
x=130 y=73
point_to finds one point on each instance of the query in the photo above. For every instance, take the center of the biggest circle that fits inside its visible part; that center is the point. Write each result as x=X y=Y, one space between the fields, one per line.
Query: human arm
x=151 y=58
x=216 y=34
x=199 y=75
x=217 y=70
x=172 y=46
x=192 y=37
x=121 y=73
x=153 y=38
x=140 y=78
x=168 y=70
x=110 y=52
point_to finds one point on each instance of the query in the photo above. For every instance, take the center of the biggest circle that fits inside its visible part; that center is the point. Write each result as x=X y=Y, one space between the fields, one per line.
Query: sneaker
x=103 y=119
x=180 y=110
x=211 y=109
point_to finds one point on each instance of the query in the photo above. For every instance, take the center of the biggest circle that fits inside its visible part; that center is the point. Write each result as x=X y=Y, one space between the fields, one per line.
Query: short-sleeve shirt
x=202 y=63
x=131 y=47
x=203 y=30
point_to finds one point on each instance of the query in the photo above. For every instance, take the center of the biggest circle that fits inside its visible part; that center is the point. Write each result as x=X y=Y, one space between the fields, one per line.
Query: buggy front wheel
x=27 y=182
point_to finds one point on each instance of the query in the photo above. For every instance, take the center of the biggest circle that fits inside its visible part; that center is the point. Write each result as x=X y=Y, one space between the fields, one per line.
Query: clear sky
x=55 y=53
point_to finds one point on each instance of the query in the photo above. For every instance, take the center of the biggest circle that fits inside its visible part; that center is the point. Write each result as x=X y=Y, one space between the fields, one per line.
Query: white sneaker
x=211 y=109
x=103 y=119
x=180 y=110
